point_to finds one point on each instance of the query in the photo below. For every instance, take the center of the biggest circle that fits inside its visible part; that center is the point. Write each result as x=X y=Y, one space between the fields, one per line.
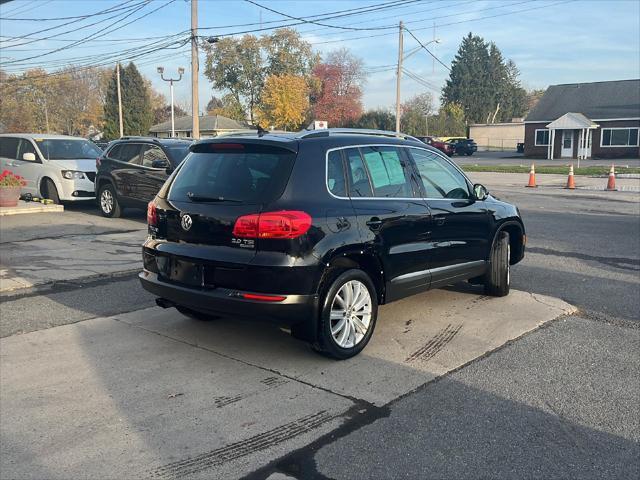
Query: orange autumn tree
x=284 y=102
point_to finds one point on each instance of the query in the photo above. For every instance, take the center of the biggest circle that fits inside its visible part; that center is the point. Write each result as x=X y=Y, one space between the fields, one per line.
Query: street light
x=171 y=80
x=417 y=49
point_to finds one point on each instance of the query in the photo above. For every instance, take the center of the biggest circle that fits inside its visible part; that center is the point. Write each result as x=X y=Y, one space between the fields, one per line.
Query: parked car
x=57 y=167
x=314 y=230
x=463 y=146
x=132 y=169
x=435 y=142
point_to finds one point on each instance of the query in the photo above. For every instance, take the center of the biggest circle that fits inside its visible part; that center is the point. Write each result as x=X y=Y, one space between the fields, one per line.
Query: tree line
x=272 y=81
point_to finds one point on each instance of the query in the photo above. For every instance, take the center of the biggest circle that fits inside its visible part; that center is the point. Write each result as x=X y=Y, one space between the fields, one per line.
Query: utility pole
x=195 y=102
x=399 y=74
x=119 y=100
x=171 y=80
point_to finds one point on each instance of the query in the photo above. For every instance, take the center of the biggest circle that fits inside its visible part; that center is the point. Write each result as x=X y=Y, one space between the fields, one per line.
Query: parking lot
x=96 y=381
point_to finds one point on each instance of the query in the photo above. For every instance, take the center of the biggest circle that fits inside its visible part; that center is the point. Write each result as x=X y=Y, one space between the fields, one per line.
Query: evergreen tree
x=136 y=104
x=468 y=82
x=484 y=84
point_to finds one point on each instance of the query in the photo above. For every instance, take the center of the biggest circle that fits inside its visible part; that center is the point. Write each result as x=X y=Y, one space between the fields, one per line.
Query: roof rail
x=352 y=131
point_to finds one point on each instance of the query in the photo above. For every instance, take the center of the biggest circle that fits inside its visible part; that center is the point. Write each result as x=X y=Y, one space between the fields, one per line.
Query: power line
x=427 y=50
x=29 y=36
x=315 y=22
x=81 y=17
x=93 y=35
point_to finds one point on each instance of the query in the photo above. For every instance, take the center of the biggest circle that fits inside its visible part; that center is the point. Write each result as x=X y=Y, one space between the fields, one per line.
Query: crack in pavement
x=616 y=262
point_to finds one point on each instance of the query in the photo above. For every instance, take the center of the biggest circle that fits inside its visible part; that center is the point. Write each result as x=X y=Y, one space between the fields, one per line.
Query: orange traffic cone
x=571 y=184
x=611 y=183
x=532 y=177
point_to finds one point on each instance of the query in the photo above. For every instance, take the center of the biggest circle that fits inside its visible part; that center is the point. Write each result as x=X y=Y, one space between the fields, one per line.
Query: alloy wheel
x=350 y=316
x=106 y=201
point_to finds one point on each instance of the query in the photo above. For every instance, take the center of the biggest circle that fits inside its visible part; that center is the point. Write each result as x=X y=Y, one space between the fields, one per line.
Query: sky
x=551 y=41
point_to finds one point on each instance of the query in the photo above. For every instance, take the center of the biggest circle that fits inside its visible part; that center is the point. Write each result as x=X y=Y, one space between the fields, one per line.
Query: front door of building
x=567 y=144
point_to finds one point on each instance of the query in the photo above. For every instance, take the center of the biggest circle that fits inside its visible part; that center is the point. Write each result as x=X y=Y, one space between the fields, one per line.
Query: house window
x=619 y=137
x=542 y=137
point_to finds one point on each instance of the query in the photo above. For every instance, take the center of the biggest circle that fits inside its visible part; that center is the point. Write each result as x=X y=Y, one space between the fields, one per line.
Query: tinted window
x=130 y=153
x=115 y=151
x=241 y=172
x=335 y=174
x=359 y=185
x=177 y=152
x=25 y=147
x=439 y=178
x=9 y=147
x=151 y=153
x=67 y=149
x=387 y=172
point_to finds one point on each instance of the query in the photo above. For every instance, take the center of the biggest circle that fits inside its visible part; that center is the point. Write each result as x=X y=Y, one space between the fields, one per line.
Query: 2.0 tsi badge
x=186 y=222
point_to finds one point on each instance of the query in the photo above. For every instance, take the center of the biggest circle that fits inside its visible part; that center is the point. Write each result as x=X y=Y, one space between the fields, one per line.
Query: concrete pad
x=416 y=340
x=30 y=207
x=42 y=261
x=103 y=399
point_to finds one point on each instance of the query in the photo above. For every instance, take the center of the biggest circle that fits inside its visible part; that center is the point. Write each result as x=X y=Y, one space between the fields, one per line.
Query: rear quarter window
x=245 y=173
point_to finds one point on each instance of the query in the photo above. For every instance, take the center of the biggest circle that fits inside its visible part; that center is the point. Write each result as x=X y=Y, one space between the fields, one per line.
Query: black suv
x=314 y=230
x=131 y=170
x=464 y=146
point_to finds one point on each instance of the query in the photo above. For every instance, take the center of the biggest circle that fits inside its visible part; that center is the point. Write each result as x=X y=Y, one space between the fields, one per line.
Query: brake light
x=284 y=224
x=226 y=147
x=97 y=162
x=152 y=214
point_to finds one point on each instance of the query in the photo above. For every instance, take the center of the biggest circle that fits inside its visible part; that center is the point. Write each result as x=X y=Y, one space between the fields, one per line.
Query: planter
x=9 y=196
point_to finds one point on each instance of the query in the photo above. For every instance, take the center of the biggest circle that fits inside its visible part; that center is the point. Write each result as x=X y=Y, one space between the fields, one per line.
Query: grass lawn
x=561 y=170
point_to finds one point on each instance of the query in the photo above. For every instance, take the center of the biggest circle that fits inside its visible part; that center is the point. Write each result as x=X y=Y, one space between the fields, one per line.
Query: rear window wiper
x=204 y=198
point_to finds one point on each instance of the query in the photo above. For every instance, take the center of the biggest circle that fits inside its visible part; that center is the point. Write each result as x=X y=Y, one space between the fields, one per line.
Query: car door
x=126 y=164
x=32 y=169
x=11 y=150
x=151 y=176
x=391 y=216
x=460 y=224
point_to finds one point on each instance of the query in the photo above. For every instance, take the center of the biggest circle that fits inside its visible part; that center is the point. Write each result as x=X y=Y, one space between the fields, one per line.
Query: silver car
x=58 y=167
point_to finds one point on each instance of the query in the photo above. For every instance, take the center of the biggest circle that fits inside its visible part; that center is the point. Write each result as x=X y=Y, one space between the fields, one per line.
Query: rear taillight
x=284 y=224
x=152 y=214
x=97 y=162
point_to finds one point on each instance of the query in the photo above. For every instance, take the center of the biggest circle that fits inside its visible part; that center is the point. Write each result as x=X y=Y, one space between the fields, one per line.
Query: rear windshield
x=242 y=173
x=67 y=149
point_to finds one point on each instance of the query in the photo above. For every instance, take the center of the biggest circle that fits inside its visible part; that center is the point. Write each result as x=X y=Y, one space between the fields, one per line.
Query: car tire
x=498 y=277
x=468 y=154
x=50 y=191
x=108 y=201
x=203 y=317
x=342 y=336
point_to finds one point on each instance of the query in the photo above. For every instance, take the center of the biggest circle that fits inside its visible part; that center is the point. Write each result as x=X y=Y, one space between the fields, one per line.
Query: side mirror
x=159 y=163
x=480 y=192
x=29 y=157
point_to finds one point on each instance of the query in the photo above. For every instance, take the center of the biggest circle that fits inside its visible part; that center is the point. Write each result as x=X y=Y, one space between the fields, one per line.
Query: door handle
x=440 y=219
x=374 y=223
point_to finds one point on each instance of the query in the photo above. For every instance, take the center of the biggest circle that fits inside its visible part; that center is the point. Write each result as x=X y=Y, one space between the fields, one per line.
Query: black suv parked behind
x=131 y=170
x=314 y=230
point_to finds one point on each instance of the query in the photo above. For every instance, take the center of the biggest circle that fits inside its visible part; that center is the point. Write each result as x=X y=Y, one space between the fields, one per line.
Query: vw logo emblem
x=186 y=222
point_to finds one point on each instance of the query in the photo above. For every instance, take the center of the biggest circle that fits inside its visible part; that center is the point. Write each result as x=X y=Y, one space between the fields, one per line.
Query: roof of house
x=207 y=122
x=572 y=121
x=597 y=101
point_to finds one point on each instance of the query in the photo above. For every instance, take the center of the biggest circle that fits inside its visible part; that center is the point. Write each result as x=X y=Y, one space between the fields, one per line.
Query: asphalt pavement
x=514 y=158
x=557 y=402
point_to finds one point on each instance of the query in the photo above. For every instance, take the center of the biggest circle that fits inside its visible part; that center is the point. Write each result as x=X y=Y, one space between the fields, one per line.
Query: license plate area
x=180 y=271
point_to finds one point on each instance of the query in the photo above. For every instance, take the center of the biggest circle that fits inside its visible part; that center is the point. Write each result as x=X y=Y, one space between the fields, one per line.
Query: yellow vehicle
x=452 y=139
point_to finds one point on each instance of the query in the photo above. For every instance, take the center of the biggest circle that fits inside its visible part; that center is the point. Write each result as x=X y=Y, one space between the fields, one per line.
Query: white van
x=58 y=167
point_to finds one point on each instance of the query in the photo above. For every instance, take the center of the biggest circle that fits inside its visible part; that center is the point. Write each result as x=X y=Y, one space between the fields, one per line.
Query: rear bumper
x=299 y=311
